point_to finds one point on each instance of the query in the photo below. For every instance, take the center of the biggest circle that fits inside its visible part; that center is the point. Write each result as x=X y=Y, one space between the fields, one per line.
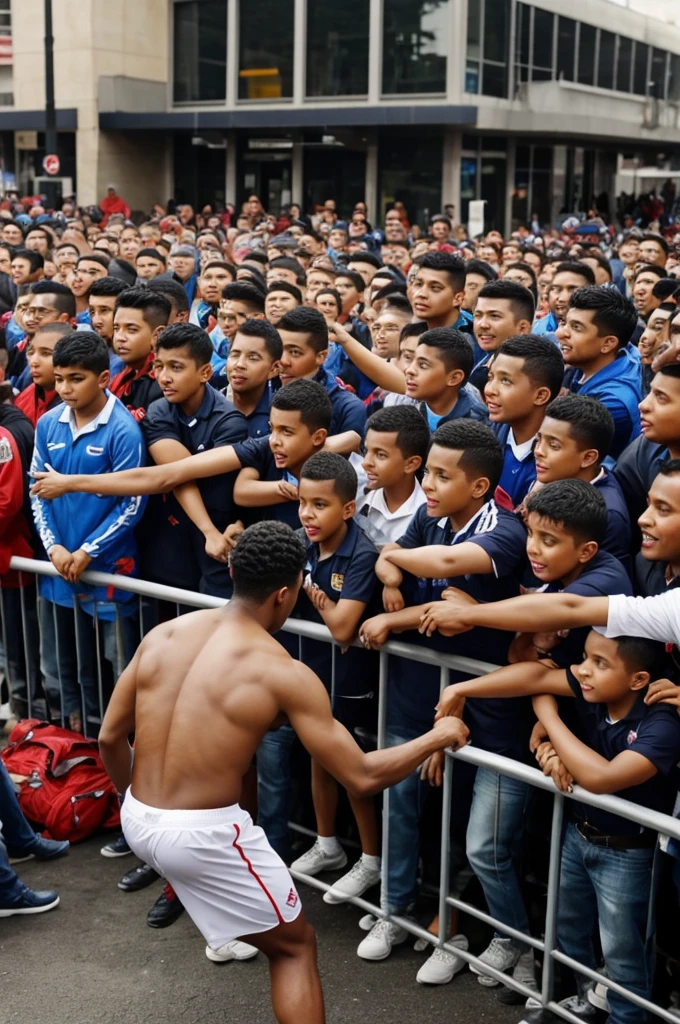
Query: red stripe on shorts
x=255 y=875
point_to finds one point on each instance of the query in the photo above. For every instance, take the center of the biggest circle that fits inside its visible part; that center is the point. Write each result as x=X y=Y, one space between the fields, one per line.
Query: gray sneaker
x=378 y=943
x=314 y=861
x=500 y=954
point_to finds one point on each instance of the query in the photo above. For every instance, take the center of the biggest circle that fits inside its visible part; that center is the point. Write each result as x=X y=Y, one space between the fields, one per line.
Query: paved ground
x=94 y=961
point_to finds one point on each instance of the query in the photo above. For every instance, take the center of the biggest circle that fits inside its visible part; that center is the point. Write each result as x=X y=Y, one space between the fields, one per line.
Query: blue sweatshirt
x=101 y=526
x=619 y=387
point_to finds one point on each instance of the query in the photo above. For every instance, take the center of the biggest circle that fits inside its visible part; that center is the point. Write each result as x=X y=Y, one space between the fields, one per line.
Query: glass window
x=605 y=67
x=473 y=46
x=522 y=42
x=657 y=78
x=200 y=51
x=543 y=45
x=674 y=80
x=623 y=64
x=640 y=69
x=496 y=36
x=586 y=55
x=415 y=46
x=566 y=48
x=337 y=48
x=409 y=171
x=265 y=49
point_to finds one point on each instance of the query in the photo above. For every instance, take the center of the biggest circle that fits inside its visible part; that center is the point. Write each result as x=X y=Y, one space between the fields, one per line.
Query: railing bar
x=640 y=1001
x=467 y=908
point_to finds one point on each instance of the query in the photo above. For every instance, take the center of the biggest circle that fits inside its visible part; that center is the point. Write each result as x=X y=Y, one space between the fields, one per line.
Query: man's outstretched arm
x=529 y=613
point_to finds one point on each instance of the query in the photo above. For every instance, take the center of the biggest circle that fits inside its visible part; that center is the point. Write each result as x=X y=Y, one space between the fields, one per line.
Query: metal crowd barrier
x=662 y=823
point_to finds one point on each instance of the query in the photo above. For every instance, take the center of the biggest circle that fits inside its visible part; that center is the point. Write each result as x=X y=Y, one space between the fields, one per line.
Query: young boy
x=594 y=339
x=191 y=417
x=503 y=309
x=91 y=433
x=339 y=586
x=281 y=298
x=571 y=444
x=395 y=450
x=657 y=566
x=569 y=276
x=624 y=747
x=252 y=367
x=149 y=263
x=176 y=296
x=241 y=301
x=438 y=291
x=41 y=396
x=89 y=268
x=460 y=539
x=214 y=278
x=525 y=375
x=101 y=304
x=437 y=375
x=140 y=316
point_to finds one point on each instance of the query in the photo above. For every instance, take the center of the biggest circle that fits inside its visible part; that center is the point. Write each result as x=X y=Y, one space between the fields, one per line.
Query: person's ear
x=459 y=299
x=640 y=681
x=104 y=379
x=321 y=357
x=205 y=372
x=609 y=344
x=156 y=335
x=413 y=464
x=63 y=318
x=455 y=379
x=542 y=396
x=587 y=551
x=274 y=370
x=319 y=437
x=590 y=457
x=524 y=327
x=480 y=487
x=349 y=509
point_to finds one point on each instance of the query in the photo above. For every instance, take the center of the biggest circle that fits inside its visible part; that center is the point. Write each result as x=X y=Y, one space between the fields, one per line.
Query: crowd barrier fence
x=548 y=945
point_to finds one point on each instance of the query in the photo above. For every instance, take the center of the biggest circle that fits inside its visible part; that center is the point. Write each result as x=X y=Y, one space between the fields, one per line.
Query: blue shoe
x=42 y=849
x=29 y=902
x=117 y=848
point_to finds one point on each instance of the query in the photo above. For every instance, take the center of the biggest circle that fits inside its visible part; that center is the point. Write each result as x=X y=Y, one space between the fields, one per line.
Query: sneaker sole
x=113 y=856
x=319 y=871
x=22 y=860
x=213 y=956
x=333 y=896
x=384 y=956
x=30 y=910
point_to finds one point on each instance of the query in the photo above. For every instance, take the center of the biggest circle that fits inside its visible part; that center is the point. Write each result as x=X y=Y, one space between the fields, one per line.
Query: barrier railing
x=548 y=946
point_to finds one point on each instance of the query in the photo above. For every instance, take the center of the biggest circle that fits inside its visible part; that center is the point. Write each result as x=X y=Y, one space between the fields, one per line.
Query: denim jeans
x=495 y=838
x=15 y=832
x=609 y=889
x=273 y=787
x=23 y=669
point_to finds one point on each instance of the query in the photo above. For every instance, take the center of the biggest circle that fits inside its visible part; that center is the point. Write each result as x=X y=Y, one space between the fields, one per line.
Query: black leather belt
x=641 y=841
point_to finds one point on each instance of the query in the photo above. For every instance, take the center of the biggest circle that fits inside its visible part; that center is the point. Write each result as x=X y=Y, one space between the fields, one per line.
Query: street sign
x=51 y=164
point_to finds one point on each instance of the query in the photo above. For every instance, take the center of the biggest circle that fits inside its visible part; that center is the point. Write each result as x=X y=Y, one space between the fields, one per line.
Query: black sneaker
x=29 y=902
x=116 y=848
x=165 y=910
x=41 y=849
x=138 y=878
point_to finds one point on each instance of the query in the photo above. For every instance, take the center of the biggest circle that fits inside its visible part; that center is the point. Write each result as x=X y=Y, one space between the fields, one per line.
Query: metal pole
x=50 y=111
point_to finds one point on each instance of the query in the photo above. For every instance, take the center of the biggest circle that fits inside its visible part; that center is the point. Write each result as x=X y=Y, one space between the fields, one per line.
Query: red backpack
x=67 y=794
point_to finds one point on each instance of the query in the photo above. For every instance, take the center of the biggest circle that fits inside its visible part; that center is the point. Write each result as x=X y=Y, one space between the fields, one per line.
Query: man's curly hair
x=267 y=557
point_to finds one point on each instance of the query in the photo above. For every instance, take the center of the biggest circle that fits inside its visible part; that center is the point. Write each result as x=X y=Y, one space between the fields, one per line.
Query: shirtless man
x=181 y=811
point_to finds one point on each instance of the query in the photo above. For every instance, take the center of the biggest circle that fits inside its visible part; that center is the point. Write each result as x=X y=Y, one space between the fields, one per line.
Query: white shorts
x=221 y=866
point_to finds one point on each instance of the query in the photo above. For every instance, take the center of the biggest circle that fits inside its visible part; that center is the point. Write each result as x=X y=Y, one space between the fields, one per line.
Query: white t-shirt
x=381 y=525
x=657 y=618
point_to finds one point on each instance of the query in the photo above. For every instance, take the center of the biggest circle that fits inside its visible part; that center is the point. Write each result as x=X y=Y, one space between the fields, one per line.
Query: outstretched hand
x=50 y=484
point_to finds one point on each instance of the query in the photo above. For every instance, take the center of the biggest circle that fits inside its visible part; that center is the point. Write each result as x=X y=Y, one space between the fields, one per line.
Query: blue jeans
x=16 y=833
x=273 y=787
x=610 y=889
x=23 y=671
x=495 y=838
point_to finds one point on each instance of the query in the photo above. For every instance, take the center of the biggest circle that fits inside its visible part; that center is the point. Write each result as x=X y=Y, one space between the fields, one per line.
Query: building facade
x=430 y=102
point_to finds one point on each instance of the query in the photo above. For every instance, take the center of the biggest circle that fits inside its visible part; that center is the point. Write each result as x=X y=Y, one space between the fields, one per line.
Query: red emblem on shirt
x=292 y=898
x=632 y=736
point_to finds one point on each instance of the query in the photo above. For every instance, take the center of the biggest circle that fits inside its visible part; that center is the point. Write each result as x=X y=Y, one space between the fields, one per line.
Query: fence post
x=548 y=975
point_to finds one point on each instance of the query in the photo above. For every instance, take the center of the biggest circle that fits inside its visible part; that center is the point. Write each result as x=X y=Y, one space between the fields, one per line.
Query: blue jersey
x=468 y=404
x=102 y=526
x=617 y=539
x=519 y=466
x=619 y=387
x=256 y=454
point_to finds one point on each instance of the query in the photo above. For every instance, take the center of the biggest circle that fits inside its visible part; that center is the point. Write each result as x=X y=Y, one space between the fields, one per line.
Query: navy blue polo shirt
x=255 y=453
x=216 y=423
x=602 y=576
x=636 y=469
x=518 y=474
x=258 y=419
x=348 y=574
x=468 y=405
x=499 y=725
x=617 y=539
x=653 y=732
x=349 y=412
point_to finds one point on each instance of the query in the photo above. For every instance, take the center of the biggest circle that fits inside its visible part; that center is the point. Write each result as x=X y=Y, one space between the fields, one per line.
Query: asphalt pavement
x=93 y=960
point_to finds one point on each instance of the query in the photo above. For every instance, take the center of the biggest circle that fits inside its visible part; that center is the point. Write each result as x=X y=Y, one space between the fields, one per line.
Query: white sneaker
x=378 y=943
x=441 y=967
x=597 y=996
x=500 y=954
x=357 y=880
x=366 y=922
x=314 y=861
x=231 y=951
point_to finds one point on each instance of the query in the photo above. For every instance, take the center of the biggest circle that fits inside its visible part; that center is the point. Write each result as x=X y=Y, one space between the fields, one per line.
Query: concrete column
x=455 y=65
x=509 y=185
x=232 y=53
x=375 y=50
x=371 y=188
x=451 y=169
x=230 y=177
x=300 y=52
x=298 y=174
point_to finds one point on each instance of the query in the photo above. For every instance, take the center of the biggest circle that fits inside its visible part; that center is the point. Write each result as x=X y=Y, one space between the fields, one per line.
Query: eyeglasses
x=385 y=329
x=39 y=312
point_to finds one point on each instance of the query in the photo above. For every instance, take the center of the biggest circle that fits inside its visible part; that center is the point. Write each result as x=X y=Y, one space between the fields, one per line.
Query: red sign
x=51 y=164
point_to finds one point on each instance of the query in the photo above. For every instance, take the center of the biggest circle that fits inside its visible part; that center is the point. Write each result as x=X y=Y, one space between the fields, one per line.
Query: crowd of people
x=448 y=423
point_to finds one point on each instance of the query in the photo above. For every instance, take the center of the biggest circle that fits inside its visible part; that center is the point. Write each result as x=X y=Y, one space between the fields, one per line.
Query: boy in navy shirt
x=252 y=368
x=572 y=444
x=436 y=378
x=624 y=747
x=339 y=586
x=503 y=309
x=594 y=342
x=90 y=433
x=139 y=317
x=191 y=417
x=460 y=539
x=525 y=375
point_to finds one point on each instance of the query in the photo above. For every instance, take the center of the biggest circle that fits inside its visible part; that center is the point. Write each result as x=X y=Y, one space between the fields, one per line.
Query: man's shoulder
x=603 y=576
x=161 y=410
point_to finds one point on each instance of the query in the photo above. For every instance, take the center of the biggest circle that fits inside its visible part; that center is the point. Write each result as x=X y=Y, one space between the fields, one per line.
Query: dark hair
x=267 y=557
x=520 y=298
x=651 y=236
x=56 y=327
x=415 y=330
x=670 y=370
x=413 y=436
x=241 y=291
x=172 y=290
x=591 y=424
x=447 y=263
x=354 y=276
x=187 y=336
x=288 y=263
x=155 y=308
x=308 y=398
x=257 y=257
x=331 y=291
x=441 y=218
x=642 y=655
x=35 y=260
x=650 y=268
x=481 y=268
x=669 y=466
x=664 y=288
x=614 y=313
x=82 y=348
x=305 y=320
x=576 y=267
x=329 y=466
x=575 y=505
x=365 y=257
x=97 y=257
x=43 y=231
x=64 y=299
x=152 y=254
x=388 y=291
x=286 y=286
x=601 y=260
x=482 y=451
x=108 y=286
x=399 y=302
x=524 y=267
x=263 y=329
x=453 y=348
x=543 y=363
x=222 y=264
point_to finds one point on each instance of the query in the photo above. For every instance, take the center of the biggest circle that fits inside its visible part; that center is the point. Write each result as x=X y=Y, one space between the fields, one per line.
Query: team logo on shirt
x=5 y=451
x=632 y=736
x=338 y=580
x=93 y=450
x=53 y=445
x=292 y=898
